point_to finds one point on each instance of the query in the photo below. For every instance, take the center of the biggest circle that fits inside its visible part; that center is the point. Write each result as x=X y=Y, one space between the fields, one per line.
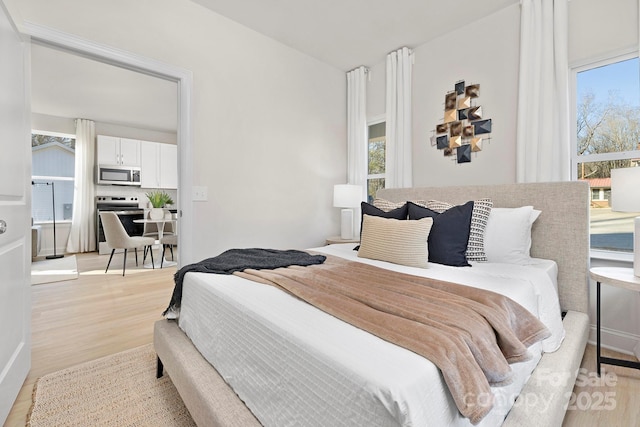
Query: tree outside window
x=376 y=153
x=53 y=161
x=607 y=137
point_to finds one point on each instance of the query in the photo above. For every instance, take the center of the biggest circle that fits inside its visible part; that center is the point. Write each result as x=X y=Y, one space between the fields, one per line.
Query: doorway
x=69 y=44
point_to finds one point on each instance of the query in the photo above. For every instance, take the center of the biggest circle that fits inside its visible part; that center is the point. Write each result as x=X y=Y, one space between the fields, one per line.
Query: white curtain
x=357 y=128
x=543 y=143
x=398 y=117
x=83 y=233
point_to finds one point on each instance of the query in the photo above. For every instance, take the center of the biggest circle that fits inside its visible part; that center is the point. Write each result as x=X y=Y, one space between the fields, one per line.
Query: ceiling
x=342 y=33
x=350 y=33
x=71 y=86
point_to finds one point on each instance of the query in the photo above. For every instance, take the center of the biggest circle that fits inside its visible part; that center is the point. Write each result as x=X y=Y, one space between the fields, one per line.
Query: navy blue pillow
x=449 y=234
x=368 y=209
x=398 y=213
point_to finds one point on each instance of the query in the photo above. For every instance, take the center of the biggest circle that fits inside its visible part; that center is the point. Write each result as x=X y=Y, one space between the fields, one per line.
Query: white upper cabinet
x=168 y=166
x=118 y=151
x=158 y=165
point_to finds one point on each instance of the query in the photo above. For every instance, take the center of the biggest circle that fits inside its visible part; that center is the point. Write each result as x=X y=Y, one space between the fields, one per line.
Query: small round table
x=157 y=262
x=621 y=278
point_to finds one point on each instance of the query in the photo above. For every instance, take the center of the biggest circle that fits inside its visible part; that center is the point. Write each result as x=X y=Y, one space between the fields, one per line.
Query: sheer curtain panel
x=82 y=237
x=543 y=143
x=399 y=146
x=357 y=128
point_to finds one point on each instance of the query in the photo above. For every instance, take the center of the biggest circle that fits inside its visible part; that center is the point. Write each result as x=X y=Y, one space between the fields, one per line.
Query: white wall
x=269 y=122
x=598 y=28
x=486 y=53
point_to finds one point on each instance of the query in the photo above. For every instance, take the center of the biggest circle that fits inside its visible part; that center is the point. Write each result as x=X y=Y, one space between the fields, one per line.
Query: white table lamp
x=346 y=196
x=625 y=197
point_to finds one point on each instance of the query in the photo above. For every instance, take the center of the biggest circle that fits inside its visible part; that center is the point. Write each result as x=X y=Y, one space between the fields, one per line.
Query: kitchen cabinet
x=118 y=151
x=158 y=165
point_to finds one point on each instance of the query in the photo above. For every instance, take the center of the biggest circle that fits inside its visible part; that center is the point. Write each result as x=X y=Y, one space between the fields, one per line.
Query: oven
x=127 y=209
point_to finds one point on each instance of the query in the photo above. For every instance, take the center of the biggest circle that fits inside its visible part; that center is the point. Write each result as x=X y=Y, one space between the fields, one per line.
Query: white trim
x=604 y=157
x=52 y=178
x=619 y=256
x=605 y=59
x=376 y=119
x=612 y=339
x=53 y=38
x=49 y=133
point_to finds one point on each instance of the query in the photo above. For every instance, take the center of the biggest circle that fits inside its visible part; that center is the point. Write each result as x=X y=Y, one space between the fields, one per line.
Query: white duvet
x=293 y=364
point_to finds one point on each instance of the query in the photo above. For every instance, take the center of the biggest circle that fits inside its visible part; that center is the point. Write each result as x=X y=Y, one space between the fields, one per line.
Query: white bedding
x=289 y=361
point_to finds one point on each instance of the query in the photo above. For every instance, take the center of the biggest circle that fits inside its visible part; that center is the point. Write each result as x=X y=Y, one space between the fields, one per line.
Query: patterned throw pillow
x=387 y=206
x=479 y=218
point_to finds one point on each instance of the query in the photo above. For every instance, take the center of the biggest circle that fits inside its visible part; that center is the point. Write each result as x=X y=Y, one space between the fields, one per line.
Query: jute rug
x=117 y=390
x=54 y=270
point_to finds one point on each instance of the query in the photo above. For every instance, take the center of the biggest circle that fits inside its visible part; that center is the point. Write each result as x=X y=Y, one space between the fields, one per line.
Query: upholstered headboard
x=561 y=232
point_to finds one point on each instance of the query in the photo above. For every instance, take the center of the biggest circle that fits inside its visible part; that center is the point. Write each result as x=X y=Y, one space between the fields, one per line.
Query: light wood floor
x=93 y=316
x=99 y=314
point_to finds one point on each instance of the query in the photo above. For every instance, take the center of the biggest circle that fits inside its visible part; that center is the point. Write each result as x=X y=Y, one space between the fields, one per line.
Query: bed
x=560 y=234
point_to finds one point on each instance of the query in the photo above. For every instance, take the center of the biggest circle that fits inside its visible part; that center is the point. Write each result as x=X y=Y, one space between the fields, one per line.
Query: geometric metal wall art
x=463 y=128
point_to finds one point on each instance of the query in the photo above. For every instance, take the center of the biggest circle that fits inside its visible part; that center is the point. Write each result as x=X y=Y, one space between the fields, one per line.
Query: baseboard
x=619 y=341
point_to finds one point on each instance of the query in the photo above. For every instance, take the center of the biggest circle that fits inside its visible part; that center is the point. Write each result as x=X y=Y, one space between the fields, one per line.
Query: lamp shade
x=625 y=189
x=347 y=196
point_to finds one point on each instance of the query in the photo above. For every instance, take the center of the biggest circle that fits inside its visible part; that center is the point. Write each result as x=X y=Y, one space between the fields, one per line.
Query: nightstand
x=621 y=278
x=337 y=239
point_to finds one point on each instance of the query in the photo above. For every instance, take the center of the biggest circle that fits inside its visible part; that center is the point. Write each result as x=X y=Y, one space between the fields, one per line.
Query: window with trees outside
x=607 y=137
x=376 y=152
x=53 y=168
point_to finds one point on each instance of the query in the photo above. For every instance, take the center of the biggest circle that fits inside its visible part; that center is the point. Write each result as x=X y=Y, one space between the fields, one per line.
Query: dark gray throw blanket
x=235 y=260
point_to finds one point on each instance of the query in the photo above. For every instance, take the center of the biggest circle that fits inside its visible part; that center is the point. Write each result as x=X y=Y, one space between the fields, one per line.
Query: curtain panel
x=398 y=117
x=357 y=128
x=543 y=143
x=82 y=237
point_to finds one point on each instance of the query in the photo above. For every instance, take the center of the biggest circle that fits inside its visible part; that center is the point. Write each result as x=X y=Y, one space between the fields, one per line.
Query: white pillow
x=507 y=237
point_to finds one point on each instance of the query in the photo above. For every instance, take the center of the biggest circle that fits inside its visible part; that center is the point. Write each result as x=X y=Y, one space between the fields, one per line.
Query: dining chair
x=118 y=238
x=151 y=228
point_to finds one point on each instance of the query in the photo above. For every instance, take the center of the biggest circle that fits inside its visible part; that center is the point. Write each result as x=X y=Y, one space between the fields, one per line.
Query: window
x=53 y=167
x=607 y=137
x=376 y=152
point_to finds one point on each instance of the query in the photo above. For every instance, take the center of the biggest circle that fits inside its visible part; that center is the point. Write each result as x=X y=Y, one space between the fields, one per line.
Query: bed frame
x=561 y=233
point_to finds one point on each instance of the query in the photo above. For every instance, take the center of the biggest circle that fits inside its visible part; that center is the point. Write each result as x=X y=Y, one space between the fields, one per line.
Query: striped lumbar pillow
x=396 y=241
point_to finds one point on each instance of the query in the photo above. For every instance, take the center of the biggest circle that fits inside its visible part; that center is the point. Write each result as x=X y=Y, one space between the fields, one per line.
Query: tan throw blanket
x=470 y=334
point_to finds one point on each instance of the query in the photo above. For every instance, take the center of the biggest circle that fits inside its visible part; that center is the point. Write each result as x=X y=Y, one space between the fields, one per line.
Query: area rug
x=117 y=390
x=54 y=270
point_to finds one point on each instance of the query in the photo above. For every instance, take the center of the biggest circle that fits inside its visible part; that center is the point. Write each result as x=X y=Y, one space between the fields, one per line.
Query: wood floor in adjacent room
x=100 y=314
x=93 y=316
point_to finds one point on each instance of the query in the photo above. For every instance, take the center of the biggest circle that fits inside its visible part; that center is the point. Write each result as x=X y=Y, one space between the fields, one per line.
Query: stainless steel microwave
x=118 y=175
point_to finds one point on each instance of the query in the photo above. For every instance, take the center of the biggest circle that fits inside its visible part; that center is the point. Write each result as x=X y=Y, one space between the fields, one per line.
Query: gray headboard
x=560 y=233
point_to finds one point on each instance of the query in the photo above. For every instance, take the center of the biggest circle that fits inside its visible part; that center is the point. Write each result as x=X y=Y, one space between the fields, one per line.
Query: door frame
x=52 y=38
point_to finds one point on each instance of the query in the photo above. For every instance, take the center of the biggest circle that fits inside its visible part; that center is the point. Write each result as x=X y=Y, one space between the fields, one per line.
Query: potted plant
x=158 y=199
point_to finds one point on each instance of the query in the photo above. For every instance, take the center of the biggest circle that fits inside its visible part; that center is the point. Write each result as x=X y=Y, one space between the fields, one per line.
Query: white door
x=15 y=216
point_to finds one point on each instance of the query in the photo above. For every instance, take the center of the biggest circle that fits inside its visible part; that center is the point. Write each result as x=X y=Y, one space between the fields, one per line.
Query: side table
x=337 y=239
x=621 y=278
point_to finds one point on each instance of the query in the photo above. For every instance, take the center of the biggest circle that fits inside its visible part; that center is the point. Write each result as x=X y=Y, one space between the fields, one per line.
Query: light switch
x=199 y=194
